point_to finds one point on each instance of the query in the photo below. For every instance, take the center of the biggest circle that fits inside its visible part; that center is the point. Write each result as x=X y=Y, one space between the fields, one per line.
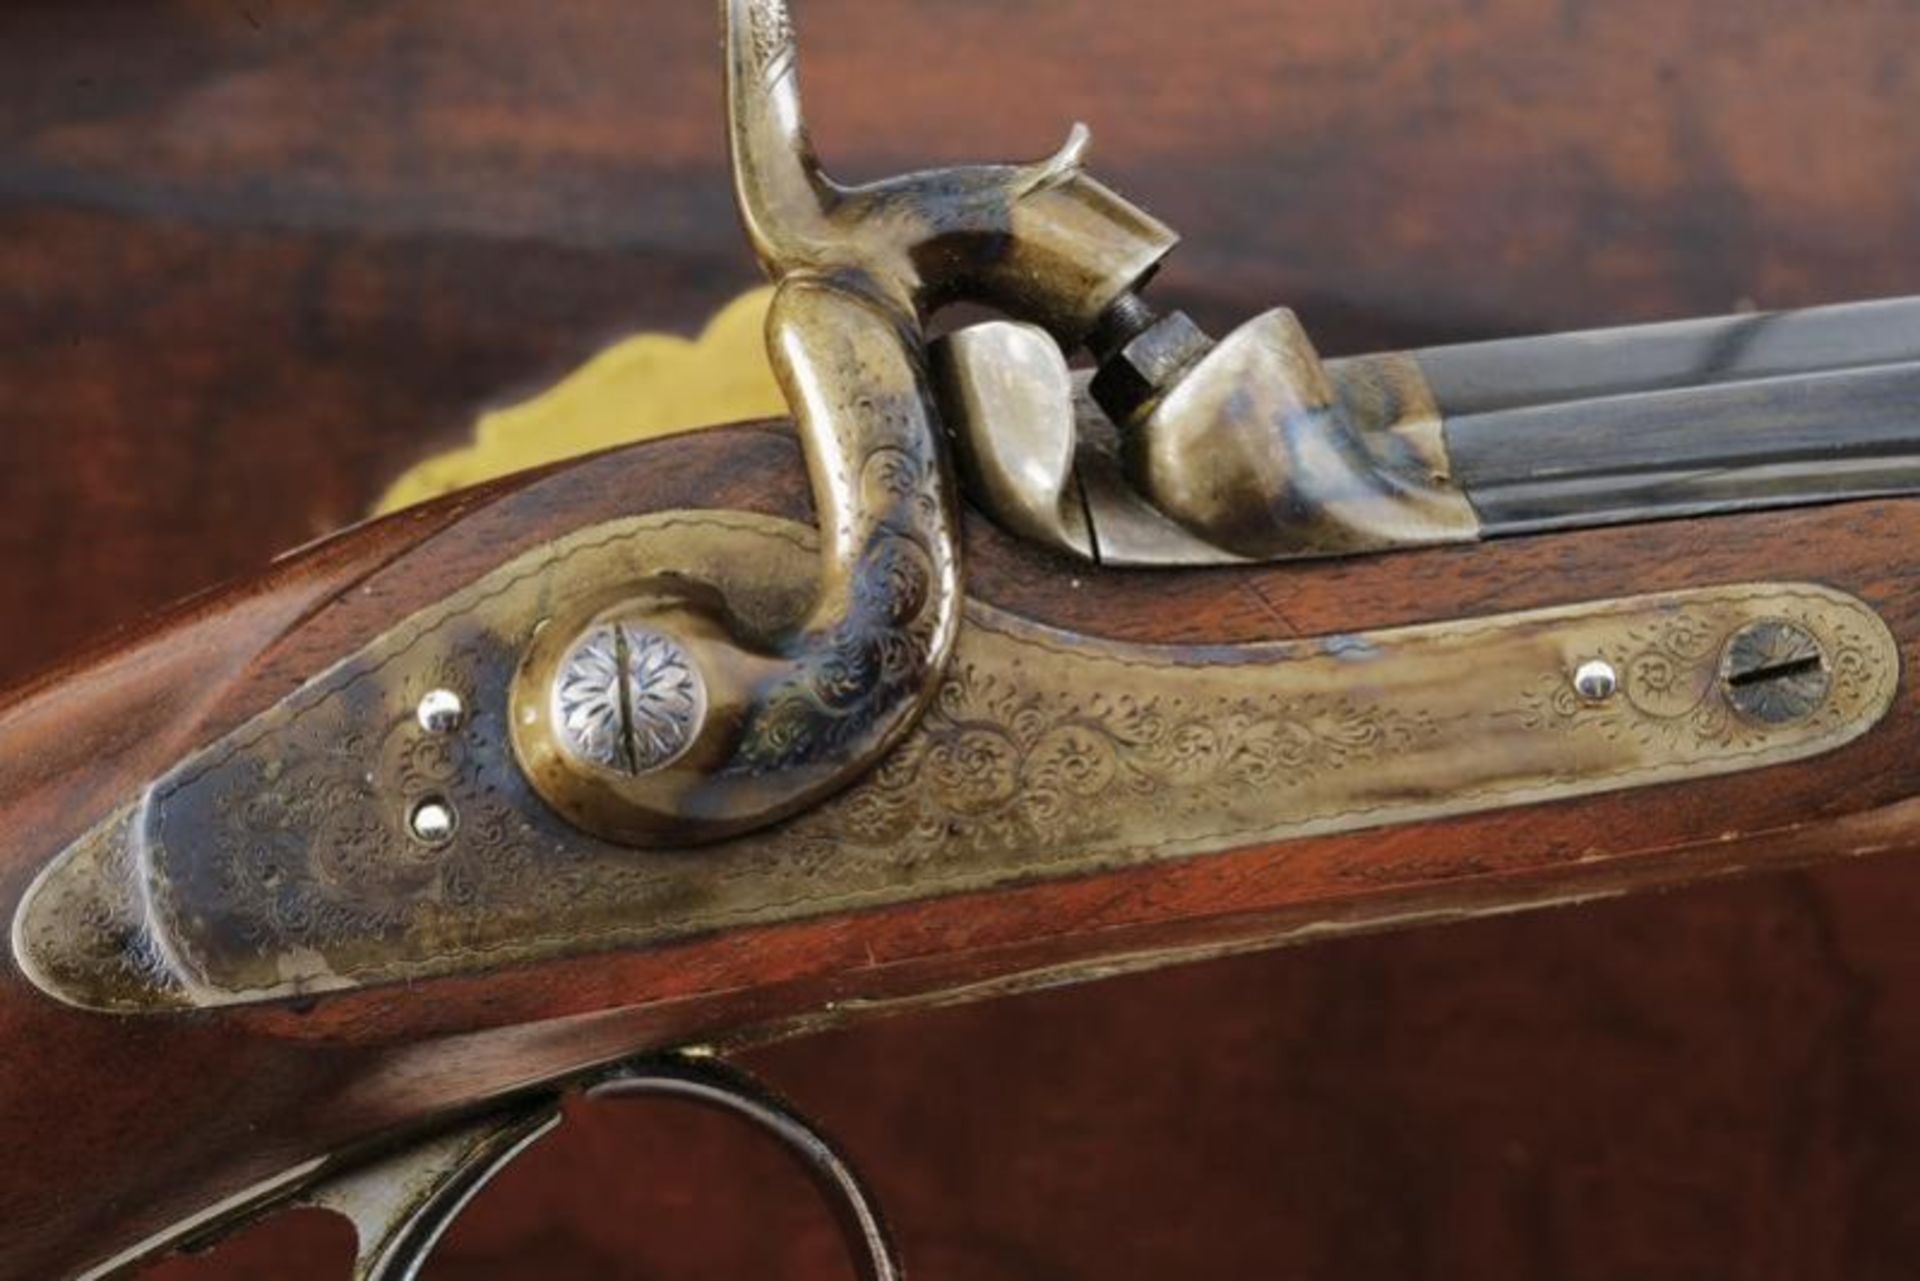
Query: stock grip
x=139 y=1125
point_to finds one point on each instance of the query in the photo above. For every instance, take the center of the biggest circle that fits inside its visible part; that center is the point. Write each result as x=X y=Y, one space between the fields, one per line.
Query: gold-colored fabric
x=642 y=387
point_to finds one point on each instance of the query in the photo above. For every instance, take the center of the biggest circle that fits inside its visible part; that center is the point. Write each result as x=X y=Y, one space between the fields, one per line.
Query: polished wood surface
x=260 y=257
x=281 y=1085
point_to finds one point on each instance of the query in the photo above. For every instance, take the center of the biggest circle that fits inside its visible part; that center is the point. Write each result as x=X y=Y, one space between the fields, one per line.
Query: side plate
x=281 y=861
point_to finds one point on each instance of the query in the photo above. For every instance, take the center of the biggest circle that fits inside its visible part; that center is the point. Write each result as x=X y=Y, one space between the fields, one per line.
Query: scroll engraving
x=1672 y=683
x=277 y=862
x=771 y=35
x=882 y=645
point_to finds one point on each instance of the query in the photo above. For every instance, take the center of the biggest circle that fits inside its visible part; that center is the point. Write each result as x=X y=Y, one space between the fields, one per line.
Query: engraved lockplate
x=279 y=861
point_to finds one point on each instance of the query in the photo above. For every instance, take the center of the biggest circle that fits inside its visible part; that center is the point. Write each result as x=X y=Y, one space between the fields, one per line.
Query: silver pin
x=441 y=712
x=432 y=821
x=1595 y=681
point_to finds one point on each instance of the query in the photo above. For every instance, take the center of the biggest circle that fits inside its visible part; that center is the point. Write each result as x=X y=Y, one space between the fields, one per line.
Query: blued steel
x=1514 y=373
x=1682 y=419
x=1229 y=463
x=402 y=1202
x=714 y=1085
x=402 y=1205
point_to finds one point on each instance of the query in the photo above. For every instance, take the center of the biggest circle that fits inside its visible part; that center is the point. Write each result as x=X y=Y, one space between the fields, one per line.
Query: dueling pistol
x=991 y=671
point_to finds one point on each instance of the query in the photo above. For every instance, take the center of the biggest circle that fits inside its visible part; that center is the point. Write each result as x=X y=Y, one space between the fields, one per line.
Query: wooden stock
x=136 y=1123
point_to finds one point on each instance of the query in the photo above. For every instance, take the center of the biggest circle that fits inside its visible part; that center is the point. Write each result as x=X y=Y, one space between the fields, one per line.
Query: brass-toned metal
x=1368 y=473
x=1255 y=450
x=791 y=716
x=1523 y=435
x=1042 y=242
x=1006 y=390
x=277 y=862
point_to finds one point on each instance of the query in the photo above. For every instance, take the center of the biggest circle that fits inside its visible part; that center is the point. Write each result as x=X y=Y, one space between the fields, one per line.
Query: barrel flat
x=1471 y=379
x=1696 y=417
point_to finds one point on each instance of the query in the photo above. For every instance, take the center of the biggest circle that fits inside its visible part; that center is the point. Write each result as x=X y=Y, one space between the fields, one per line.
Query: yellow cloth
x=642 y=387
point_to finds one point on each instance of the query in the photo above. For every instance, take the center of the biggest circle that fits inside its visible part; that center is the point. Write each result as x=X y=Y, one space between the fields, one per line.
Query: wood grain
x=258 y=257
x=277 y=1086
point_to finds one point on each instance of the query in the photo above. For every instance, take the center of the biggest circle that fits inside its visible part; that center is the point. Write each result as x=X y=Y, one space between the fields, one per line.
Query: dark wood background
x=256 y=257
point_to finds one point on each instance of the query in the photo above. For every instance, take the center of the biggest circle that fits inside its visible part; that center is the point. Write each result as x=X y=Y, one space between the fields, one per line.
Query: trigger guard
x=715 y=1085
x=402 y=1205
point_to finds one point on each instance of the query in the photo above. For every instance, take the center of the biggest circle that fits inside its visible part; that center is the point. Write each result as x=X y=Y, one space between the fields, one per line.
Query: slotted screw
x=1775 y=672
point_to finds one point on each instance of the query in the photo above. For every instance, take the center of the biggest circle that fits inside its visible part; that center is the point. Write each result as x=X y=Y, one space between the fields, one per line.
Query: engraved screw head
x=1596 y=681
x=441 y=712
x=1775 y=672
x=627 y=699
x=432 y=821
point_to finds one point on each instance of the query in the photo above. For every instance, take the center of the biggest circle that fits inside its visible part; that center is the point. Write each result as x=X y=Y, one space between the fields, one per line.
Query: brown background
x=257 y=257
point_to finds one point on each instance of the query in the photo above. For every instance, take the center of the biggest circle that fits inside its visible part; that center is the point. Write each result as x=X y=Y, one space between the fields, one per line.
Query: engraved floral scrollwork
x=771 y=32
x=628 y=699
x=587 y=701
x=1672 y=682
x=666 y=699
x=883 y=645
x=999 y=764
x=279 y=860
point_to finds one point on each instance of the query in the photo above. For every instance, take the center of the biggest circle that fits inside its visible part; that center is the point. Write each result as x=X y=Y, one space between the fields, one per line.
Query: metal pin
x=441 y=712
x=1596 y=681
x=432 y=821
